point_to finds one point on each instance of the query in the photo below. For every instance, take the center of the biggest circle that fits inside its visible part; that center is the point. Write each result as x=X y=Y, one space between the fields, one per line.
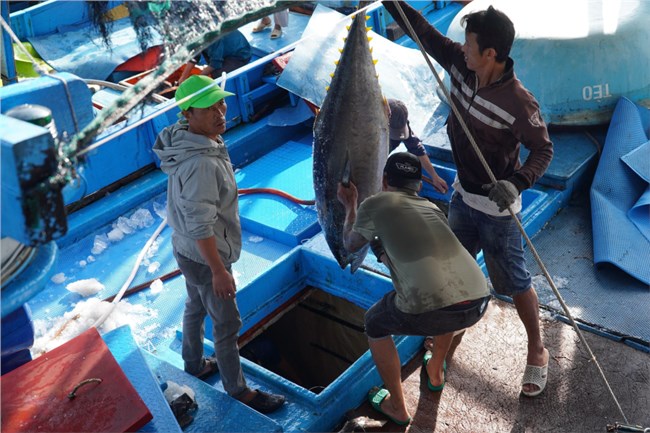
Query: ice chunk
x=100 y=244
x=160 y=209
x=58 y=278
x=156 y=287
x=125 y=225
x=153 y=267
x=141 y=218
x=153 y=249
x=85 y=287
x=51 y=333
x=236 y=275
x=115 y=235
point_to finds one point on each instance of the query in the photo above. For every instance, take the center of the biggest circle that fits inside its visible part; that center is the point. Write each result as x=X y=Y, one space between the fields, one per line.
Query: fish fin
x=358 y=259
x=345 y=179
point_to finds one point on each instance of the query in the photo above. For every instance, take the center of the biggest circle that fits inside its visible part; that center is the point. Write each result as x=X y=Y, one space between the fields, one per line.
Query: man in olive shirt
x=439 y=288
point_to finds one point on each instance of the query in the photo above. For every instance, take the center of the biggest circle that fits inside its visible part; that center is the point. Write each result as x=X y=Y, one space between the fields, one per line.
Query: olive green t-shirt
x=429 y=266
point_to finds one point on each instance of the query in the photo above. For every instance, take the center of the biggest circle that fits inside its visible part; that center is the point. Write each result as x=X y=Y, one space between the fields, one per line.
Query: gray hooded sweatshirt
x=201 y=192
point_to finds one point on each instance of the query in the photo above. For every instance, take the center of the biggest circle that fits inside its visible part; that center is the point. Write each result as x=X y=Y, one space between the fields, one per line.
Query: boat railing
x=37 y=20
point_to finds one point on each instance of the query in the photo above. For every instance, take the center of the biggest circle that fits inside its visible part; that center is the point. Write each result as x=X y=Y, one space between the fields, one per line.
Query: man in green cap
x=203 y=211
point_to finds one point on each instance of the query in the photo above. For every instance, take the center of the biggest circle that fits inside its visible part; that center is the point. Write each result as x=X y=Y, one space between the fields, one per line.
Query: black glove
x=503 y=193
x=377 y=248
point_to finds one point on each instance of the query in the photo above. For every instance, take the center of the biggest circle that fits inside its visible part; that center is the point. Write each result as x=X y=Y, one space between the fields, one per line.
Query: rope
x=469 y=135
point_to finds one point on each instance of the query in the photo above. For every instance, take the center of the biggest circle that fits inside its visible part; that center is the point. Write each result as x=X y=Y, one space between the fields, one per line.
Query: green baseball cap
x=204 y=99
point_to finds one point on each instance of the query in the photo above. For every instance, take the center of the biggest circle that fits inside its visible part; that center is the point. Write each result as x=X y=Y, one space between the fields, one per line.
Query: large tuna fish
x=350 y=136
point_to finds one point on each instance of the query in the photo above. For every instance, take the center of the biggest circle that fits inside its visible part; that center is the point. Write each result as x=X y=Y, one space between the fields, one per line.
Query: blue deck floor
x=604 y=298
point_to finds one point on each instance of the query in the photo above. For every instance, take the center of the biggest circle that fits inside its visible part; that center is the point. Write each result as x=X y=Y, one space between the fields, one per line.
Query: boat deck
x=283 y=249
x=482 y=390
x=284 y=256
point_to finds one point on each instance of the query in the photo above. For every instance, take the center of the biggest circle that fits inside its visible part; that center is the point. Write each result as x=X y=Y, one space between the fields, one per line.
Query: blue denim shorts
x=500 y=240
x=384 y=318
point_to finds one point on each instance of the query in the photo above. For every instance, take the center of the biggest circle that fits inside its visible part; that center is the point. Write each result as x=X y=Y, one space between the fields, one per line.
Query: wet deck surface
x=485 y=369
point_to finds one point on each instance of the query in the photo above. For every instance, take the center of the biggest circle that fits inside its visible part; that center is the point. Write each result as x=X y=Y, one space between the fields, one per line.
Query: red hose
x=245 y=191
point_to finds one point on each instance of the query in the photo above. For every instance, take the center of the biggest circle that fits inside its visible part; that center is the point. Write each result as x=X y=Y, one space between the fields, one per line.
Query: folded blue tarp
x=620 y=193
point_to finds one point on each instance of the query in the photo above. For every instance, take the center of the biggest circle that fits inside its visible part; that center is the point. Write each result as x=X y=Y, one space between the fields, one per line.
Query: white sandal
x=535 y=375
x=276 y=33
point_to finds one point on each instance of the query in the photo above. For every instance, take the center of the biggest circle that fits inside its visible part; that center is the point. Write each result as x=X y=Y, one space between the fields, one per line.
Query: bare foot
x=436 y=376
x=389 y=409
x=248 y=396
x=537 y=357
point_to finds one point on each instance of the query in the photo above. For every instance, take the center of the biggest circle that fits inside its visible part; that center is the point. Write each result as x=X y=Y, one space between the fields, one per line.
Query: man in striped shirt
x=501 y=115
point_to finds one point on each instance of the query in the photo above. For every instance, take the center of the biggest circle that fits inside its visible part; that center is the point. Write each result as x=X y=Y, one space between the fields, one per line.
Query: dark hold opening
x=313 y=342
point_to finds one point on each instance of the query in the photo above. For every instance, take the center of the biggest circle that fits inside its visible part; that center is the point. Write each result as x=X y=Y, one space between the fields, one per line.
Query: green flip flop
x=375 y=397
x=427 y=356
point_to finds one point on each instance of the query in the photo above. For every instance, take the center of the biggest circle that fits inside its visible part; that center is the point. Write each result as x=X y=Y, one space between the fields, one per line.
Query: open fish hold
x=350 y=138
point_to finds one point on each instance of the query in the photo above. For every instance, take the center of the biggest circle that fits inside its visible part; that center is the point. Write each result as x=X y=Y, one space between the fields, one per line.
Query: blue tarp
x=403 y=72
x=639 y=161
x=620 y=193
x=80 y=50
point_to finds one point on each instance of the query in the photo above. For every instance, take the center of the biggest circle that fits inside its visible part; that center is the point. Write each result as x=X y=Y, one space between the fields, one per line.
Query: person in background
x=229 y=52
x=401 y=132
x=438 y=286
x=202 y=210
x=501 y=115
x=280 y=19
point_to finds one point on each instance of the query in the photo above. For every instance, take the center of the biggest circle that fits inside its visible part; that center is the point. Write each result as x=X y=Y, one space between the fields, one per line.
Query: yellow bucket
x=24 y=67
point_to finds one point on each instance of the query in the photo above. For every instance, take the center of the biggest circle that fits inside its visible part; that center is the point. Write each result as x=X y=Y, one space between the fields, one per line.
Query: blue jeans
x=500 y=240
x=384 y=318
x=201 y=300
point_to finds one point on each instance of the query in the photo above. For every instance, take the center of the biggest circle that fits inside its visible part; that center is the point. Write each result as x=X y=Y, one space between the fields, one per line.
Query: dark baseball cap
x=398 y=123
x=404 y=170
